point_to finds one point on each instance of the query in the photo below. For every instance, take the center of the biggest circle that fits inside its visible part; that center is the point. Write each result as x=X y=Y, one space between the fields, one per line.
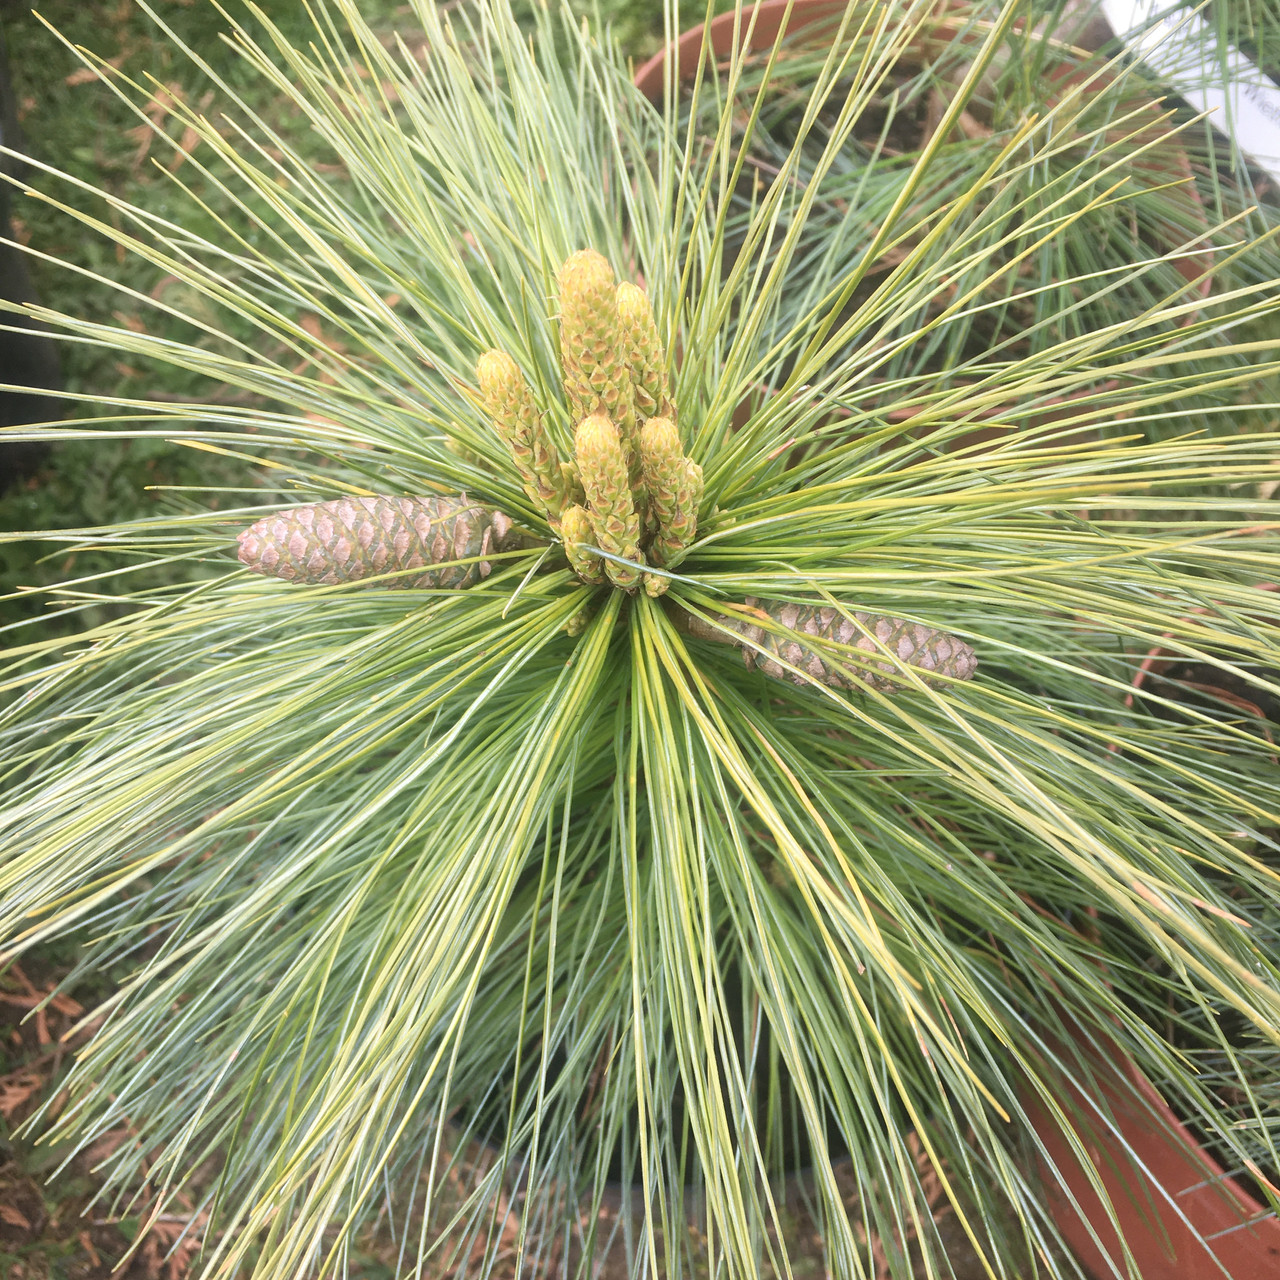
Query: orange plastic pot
x=1180 y=1215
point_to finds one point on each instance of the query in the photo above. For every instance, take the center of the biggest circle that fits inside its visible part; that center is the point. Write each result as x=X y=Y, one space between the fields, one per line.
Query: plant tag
x=1182 y=48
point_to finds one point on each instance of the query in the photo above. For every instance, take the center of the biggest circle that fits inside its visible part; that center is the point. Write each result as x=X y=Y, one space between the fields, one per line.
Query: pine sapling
x=353 y=539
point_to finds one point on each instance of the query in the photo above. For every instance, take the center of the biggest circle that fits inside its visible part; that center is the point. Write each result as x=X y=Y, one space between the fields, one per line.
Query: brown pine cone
x=925 y=649
x=350 y=539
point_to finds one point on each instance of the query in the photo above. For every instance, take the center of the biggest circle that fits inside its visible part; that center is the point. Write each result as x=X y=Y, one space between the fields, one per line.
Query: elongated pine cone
x=683 y=527
x=595 y=373
x=674 y=485
x=575 y=529
x=663 y=463
x=350 y=539
x=614 y=520
x=642 y=350
x=925 y=649
x=515 y=417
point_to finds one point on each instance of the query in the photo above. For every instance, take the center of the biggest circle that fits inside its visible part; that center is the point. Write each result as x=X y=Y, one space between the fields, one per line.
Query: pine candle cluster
x=628 y=491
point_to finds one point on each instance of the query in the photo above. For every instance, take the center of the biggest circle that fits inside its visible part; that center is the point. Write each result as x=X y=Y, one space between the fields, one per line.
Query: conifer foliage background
x=399 y=869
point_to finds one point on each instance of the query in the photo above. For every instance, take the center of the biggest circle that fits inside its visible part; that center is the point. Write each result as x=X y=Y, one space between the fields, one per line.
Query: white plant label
x=1182 y=49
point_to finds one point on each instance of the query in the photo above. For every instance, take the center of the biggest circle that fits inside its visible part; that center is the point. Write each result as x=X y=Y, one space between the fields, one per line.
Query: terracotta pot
x=769 y=16
x=1181 y=1216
